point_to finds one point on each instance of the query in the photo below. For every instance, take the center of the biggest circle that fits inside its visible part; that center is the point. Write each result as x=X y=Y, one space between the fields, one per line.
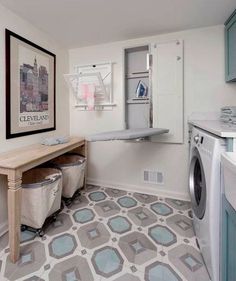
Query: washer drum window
x=197 y=185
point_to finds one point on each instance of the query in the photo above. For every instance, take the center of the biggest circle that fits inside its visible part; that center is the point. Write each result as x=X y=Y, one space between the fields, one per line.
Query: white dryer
x=205 y=192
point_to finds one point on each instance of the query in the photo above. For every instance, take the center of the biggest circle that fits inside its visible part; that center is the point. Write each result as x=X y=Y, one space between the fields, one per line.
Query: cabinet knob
x=196 y=139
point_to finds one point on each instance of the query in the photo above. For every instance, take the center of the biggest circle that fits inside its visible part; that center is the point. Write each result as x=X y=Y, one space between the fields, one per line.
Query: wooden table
x=13 y=164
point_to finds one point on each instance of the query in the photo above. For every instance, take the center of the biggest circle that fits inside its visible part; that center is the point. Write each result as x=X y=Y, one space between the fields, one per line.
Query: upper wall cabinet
x=154 y=89
x=230 y=48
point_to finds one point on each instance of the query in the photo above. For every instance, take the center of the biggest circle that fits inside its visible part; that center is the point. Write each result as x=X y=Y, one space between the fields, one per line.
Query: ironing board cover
x=128 y=134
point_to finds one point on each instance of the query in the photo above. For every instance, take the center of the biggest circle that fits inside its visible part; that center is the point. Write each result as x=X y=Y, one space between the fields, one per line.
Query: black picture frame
x=10 y=96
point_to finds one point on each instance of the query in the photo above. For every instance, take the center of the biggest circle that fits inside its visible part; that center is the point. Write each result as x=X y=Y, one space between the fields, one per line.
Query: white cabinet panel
x=138 y=116
x=167 y=89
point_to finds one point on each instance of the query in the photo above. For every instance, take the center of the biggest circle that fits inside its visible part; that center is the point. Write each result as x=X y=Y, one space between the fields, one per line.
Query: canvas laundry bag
x=73 y=170
x=41 y=195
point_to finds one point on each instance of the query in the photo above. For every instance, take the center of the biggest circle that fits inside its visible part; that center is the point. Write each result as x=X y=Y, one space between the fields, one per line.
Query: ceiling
x=77 y=23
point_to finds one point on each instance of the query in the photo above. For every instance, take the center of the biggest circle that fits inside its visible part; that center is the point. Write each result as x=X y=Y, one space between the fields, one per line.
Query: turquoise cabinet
x=228 y=242
x=230 y=48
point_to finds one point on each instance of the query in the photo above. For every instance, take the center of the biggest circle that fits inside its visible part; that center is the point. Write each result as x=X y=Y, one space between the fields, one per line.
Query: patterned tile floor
x=109 y=234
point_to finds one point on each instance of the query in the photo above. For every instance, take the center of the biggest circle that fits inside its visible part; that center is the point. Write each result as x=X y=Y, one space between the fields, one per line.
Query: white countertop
x=216 y=127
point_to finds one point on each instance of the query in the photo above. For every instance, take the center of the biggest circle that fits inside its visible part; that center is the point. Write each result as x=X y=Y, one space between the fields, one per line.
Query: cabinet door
x=167 y=89
x=229 y=242
x=230 y=48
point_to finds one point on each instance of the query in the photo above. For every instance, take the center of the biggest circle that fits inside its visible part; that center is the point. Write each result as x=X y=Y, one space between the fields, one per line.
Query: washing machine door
x=197 y=185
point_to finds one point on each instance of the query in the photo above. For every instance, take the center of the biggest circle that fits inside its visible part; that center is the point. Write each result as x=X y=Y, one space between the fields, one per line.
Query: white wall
x=121 y=164
x=16 y=24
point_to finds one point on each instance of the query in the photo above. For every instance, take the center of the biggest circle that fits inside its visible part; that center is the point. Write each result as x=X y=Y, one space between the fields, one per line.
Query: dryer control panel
x=206 y=142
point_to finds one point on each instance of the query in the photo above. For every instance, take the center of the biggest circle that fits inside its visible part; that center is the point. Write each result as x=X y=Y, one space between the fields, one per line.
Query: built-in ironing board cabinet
x=154 y=89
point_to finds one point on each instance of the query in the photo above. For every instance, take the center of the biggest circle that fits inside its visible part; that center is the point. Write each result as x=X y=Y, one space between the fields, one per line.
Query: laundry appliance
x=205 y=193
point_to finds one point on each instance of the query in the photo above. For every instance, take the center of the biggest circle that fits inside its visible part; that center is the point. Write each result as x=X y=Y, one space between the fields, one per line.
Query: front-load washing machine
x=205 y=192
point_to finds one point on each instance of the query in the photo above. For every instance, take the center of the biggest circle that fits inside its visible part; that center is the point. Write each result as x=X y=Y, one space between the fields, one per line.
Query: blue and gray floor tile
x=111 y=234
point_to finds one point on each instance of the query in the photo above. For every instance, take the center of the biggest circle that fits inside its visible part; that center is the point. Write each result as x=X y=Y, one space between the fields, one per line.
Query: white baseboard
x=3 y=228
x=141 y=189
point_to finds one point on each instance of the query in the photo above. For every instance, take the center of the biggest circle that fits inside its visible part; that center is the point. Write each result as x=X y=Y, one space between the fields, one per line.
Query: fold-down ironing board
x=129 y=134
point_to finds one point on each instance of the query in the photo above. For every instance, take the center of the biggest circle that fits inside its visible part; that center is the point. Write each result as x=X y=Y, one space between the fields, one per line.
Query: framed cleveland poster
x=30 y=87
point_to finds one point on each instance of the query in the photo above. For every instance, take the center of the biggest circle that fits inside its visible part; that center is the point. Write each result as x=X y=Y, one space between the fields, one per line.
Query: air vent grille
x=154 y=177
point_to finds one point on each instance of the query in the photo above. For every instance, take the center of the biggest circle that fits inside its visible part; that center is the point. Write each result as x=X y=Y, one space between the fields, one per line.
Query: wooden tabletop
x=18 y=158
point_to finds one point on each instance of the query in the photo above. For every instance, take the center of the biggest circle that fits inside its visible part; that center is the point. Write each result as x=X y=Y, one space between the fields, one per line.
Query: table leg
x=86 y=156
x=14 y=217
x=83 y=150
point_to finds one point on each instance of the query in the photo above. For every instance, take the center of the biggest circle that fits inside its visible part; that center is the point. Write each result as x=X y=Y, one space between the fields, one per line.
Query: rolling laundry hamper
x=41 y=196
x=73 y=170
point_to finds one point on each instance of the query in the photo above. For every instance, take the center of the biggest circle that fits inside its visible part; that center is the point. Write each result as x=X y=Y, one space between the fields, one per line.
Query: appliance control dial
x=196 y=138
